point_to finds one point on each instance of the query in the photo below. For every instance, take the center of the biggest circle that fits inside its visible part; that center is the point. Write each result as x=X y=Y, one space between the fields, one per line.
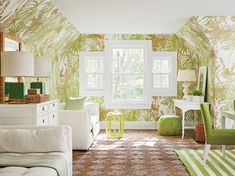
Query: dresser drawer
x=53 y=106
x=53 y=118
x=42 y=109
x=43 y=120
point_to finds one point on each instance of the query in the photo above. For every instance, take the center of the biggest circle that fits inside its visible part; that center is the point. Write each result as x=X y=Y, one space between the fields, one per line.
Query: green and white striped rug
x=216 y=165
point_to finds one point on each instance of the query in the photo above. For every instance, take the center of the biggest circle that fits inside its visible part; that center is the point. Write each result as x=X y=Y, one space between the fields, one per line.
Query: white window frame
x=83 y=78
x=109 y=102
x=171 y=56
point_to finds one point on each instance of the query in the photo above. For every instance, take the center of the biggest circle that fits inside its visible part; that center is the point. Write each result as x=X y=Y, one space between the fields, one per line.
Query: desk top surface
x=186 y=102
x=228 y=112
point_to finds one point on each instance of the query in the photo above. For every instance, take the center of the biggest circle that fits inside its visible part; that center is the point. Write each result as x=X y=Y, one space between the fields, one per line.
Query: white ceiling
x=139 y=16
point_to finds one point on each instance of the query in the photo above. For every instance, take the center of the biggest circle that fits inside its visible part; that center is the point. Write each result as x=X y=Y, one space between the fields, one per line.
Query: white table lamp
x=42 y=69
x=16 y=64
x=187 y=77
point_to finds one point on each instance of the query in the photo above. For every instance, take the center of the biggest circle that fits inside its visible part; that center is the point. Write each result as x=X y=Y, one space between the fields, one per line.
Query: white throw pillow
x=38 y=140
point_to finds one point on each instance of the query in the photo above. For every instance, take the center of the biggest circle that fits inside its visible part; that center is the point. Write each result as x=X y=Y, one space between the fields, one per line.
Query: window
x=127 y=65
x=164 y=70
x=91 y=73
x=128 y=74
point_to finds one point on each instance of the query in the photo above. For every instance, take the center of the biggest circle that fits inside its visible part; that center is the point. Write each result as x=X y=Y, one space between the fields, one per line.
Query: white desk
x=185 y=106
x=227 y=114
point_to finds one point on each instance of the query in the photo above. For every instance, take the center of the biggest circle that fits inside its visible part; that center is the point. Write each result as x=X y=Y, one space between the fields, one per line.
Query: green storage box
x=169 y=125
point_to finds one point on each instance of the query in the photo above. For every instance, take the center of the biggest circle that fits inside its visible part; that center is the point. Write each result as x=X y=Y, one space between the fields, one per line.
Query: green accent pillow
x=74 y=103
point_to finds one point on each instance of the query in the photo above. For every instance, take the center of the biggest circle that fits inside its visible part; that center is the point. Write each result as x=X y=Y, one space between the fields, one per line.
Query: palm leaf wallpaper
x=201 y=41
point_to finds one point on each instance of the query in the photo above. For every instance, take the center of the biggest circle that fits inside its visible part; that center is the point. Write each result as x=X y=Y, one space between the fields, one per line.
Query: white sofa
x=24 y=142
x=85 y=124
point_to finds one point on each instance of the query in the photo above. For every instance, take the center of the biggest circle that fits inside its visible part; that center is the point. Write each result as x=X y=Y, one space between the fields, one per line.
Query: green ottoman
x=169 y=125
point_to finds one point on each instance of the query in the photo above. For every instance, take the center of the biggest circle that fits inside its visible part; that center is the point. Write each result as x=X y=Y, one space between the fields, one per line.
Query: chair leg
x=206 y=151
x=223 y=150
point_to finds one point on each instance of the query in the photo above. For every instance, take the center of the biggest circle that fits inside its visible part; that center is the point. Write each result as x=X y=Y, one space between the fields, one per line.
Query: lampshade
x=17 y=64
x=42 y=67
x=186 y=75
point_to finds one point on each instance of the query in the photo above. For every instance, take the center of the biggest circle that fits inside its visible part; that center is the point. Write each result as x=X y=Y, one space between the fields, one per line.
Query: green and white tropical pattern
x=201 y=41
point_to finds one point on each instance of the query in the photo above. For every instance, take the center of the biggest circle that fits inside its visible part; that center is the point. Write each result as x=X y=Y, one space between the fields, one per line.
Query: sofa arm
x=92 y=108
x=74 y=118
x=80 y=121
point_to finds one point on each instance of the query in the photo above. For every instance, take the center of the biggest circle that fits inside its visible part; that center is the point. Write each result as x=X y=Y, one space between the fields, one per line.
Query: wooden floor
x=138 y=153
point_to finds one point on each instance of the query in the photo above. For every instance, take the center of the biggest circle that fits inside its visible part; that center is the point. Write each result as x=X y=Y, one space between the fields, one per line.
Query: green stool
x=114 y=124
x=169 y=125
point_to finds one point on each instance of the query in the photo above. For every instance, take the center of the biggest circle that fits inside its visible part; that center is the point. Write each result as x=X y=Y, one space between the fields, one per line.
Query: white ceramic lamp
x=42 y=69
x=187 y=77
x=16 y=64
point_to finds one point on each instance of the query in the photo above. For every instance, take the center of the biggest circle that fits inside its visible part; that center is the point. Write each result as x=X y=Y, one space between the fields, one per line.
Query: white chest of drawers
x=29 y=114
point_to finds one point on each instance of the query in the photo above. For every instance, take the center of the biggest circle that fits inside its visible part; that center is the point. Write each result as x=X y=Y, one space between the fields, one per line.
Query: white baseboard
x=137 y=125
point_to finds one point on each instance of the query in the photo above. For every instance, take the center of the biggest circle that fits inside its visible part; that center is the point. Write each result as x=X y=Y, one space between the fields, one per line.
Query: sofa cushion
x=75 y=103
x=33 y=140
x=22 y=171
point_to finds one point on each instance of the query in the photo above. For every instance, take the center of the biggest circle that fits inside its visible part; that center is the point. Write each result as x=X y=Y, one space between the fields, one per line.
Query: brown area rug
x=138 y=153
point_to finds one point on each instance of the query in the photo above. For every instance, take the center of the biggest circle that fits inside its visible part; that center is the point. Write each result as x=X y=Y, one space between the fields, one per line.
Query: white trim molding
x=145 y=125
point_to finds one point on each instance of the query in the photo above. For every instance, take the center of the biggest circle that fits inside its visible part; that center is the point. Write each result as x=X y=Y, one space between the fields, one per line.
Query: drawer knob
x=43 y=121
x=53 y=104
x=53 y=116
x=43 y=108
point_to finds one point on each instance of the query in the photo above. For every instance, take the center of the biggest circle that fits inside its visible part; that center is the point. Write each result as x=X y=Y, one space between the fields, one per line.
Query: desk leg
x=195 y=118
x=223 y=122
x=183 y=118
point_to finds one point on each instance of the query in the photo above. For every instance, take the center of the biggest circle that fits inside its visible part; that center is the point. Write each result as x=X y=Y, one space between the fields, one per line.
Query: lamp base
x=14 y=90
x=38 y=85
x=186 y=86
x=18 y=101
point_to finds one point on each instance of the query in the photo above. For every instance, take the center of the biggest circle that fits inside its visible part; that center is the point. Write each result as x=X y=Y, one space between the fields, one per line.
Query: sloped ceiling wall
x=201 y=41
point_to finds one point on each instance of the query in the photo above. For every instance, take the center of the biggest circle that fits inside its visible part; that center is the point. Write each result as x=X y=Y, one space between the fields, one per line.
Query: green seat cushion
x=169 y=125
x=74 y=103
x=221 y=137
x=216 y=136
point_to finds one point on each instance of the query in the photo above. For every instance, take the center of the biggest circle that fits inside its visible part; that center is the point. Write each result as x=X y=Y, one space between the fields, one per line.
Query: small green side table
x=114 y=124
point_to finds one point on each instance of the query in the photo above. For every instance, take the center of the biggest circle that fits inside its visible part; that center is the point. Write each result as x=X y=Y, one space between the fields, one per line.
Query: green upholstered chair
x=215 y=136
